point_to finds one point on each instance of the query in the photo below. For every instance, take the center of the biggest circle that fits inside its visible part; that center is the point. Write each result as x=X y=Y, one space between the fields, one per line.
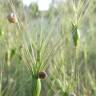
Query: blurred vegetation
x=62 y=42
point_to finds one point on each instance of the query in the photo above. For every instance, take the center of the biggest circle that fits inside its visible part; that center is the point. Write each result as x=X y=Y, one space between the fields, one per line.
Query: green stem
x=36 y=86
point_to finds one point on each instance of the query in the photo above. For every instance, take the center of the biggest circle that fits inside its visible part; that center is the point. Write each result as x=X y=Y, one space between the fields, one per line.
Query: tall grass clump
x=48 y=53
x=35 y=50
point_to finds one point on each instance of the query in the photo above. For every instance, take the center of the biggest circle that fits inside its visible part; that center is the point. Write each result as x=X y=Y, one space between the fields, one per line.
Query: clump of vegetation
x=48 y=53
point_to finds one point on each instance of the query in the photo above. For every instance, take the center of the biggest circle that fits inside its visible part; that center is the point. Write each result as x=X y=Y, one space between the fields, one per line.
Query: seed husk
x=42 y=75
x=12 y=18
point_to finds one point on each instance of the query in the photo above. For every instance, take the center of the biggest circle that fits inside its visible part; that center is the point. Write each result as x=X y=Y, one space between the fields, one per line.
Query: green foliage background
x=68 y=57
